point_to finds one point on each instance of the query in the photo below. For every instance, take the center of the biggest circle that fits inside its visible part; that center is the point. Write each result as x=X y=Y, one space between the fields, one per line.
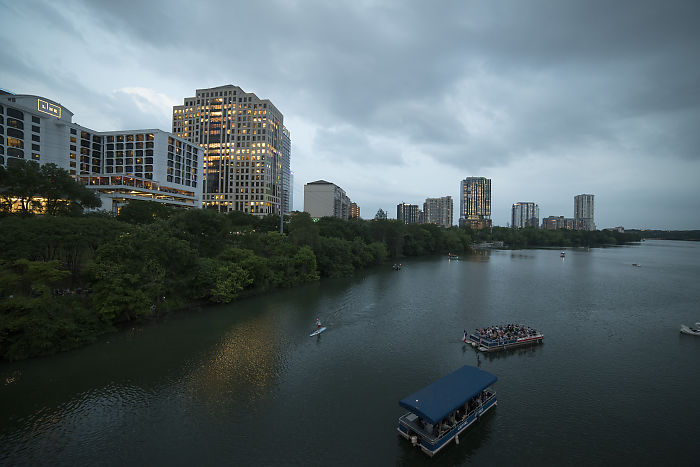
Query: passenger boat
x=691 y=331
x=452 y=256
x=486 y=342
x=440 y=412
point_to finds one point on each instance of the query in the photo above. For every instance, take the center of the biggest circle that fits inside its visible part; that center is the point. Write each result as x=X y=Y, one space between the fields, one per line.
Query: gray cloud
x=431 y=92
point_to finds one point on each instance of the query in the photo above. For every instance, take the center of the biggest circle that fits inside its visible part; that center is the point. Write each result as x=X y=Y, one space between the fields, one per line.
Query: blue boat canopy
x=438 y=400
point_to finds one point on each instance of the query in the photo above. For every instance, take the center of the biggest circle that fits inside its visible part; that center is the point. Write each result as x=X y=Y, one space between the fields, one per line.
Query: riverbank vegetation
x=536 y=238
x=67 y=277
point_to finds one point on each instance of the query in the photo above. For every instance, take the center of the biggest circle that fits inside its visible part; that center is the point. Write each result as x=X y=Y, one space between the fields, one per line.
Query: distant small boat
x=452 y=256
x=397 y=267
x=694 y=331
x=636 y=265
x=563 y=254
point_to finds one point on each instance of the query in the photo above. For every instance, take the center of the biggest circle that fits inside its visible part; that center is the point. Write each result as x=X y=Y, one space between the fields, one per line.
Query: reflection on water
x=242 y=366
x=245 y=385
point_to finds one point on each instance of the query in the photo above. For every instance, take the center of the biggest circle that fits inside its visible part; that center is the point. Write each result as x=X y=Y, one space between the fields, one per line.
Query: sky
x=398 y=101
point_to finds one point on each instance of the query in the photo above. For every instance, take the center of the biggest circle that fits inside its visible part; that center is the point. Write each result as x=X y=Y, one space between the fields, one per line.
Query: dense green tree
x=303 y=230
x=29 y=182
x=144 y=212
x=20 y=180
x=141 y=266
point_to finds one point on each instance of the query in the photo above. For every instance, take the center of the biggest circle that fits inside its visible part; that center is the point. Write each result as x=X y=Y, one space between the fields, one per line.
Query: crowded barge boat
x=503 y=337
x=440 y=412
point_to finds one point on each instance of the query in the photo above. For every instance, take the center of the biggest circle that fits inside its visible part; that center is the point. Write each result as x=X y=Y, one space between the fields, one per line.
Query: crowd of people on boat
x=506 y=332
x=457 y=416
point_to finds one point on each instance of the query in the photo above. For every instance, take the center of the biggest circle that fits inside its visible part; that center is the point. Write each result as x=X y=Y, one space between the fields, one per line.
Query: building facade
x=438 y=211
x=354 y=211
x=525 y=214
x=146 y=164
x=584 y=212
x=475 y=202
x=286 y=171
x=243 y=139
x=558 y=222
x=407 y=213
x=322 y=198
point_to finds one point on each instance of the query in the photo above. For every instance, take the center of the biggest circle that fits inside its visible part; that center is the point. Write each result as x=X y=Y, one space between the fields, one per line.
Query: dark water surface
x=614 y=381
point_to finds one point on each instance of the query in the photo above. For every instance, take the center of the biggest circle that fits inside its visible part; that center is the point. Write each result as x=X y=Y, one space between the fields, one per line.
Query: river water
x=244 y=384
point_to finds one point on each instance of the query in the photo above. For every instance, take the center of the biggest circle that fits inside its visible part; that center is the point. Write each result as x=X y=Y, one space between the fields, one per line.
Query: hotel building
x=438 y=211
x=246 y=149
x=325 y=199
x=123 y=165
x=525 y=214
x=475 y=202
x=583 y=212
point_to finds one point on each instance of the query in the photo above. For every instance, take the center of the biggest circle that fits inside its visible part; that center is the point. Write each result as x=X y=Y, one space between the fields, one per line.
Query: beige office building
x=326 y=199
x=245 y=144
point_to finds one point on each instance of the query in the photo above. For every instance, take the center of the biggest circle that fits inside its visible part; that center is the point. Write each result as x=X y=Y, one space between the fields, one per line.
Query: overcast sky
x=397 y=101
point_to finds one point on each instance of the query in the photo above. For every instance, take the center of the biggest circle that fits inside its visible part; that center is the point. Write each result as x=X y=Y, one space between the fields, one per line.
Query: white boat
x=562 y=254
x=694 y=331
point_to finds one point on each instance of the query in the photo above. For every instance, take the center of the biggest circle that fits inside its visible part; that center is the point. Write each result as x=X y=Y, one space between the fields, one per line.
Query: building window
x=36 y=120
x=35 y=147
x=15 y=152
x=14 y=142
x=14 y=123
x=15 y=113
x=35 y=138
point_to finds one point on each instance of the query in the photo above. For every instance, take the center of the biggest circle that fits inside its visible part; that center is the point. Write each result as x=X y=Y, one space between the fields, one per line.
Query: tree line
x=67 y=277
x=531 y=237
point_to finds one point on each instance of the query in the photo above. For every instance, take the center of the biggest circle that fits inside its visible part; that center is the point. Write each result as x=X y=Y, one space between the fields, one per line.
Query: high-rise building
x=286 y=171
x=354 y=211
x=583 y=212
x=525 y=214
x=475 y=202
x=322 y=198
x=121 y=165
x=438 y=211
x=407 y=213
x=243 y=141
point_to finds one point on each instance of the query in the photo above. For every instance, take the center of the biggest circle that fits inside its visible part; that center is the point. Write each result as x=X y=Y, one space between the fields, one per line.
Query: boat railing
x=410 y=420
x=489 y=342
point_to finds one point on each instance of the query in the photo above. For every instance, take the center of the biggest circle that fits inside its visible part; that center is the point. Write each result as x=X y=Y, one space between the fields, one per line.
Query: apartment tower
x=583 y=212
x=438 y=211
x=475 y=202
x=243 y=138
x=525 y=214
x=407 y=213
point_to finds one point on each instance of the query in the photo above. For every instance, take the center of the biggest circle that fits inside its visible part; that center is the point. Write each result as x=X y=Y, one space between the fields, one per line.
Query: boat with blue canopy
x=441 y=411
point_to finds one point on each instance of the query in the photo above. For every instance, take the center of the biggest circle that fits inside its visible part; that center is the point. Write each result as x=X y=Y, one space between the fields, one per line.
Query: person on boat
x=464 y=338
x=318 y=324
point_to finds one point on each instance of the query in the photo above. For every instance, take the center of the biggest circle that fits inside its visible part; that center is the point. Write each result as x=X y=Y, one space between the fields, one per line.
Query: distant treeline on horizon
x=689 y=235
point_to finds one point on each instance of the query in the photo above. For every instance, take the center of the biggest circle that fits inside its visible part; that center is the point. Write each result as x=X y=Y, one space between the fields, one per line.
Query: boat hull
x=492 y=345
x=432 y=446
x=691 y=332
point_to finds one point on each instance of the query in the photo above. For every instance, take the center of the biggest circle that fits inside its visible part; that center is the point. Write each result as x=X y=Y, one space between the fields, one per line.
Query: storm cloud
x=396 y=101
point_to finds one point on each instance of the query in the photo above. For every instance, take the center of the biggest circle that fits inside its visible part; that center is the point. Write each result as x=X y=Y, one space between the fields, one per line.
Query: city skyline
x=547 y=99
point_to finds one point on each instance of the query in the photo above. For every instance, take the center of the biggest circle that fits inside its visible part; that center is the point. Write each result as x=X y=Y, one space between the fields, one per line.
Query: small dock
x=503 y=337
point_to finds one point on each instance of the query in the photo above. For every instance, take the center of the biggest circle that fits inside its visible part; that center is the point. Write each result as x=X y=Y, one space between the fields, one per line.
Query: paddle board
x=317 y=332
